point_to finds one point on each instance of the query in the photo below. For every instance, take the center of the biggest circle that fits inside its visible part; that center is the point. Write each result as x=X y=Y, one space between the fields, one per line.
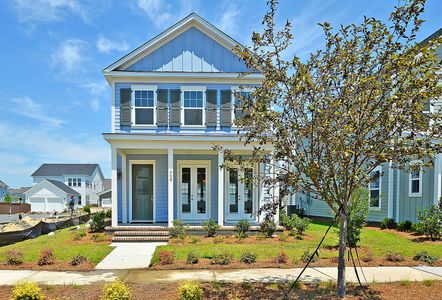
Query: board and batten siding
x=191 y=51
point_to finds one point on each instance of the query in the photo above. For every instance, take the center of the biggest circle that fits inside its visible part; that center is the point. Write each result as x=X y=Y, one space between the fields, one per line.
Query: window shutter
x=175 y=107
x=125 y=107
x=211 y=108
x=226 y=108
x=162 y=107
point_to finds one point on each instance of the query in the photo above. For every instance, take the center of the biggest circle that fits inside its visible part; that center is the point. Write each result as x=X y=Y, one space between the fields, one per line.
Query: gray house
x=3 y=190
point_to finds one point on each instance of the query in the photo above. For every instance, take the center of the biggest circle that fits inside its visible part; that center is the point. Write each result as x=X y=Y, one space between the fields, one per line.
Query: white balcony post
x=390 y=190
x=220 y=188
x=124 y=186
x=114 y=188
x=170 y=187
x=437 y=178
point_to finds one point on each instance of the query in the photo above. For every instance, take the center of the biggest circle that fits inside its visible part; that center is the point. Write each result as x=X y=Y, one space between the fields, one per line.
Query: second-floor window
x=74 y=181
x=143 y=109
x=415 y=182
x=375 y=188
x=193 y=110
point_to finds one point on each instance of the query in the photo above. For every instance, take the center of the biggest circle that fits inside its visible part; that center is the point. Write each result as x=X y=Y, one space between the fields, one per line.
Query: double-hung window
x=193 y=111
x=375 y=188
x=144 y=105
x=415 y=180
x=239 y=95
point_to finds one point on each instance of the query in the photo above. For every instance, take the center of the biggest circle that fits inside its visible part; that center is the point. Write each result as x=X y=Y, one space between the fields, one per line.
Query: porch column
x=437 y=178
x=170 y=187
x=124 y=186
x=274 y=190
x=114 y=188
x=220 y=188
x=390 y=189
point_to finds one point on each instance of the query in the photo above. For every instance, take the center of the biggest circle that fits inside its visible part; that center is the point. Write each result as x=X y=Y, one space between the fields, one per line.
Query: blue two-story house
x=173 y=101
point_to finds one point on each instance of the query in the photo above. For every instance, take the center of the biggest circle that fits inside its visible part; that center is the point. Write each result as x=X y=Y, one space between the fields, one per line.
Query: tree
x=8 y=199
x=349 y=107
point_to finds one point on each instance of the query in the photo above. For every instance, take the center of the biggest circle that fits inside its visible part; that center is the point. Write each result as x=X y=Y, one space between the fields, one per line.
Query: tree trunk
x=342 y=252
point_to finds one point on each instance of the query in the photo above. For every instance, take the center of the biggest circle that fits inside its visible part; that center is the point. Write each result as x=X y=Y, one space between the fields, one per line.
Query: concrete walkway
x=128 y=256
x=373 y=274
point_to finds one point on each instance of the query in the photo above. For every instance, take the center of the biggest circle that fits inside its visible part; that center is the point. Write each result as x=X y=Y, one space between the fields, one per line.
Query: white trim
x=398 y=191
x=138 y=87
x=437 y=178
x=113 y=108
x=170 y=186
x=201 y=89
x=379 y=207
x=390 y=190
x=220 y=188
x=114 y=188
x=410 y=194
x=124 y=186
x=142 y=162
x=193 y=88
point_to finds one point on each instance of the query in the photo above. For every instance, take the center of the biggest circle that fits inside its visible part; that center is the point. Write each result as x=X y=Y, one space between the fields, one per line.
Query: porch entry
x=240 y=194
x=142 y=191
x=193 y=190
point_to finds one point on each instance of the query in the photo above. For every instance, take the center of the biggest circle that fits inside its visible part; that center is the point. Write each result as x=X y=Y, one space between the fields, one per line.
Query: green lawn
x=377 y=242
x=63 y=245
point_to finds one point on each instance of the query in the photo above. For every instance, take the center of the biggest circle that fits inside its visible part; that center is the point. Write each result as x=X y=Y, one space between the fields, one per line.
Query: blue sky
x=54 y=100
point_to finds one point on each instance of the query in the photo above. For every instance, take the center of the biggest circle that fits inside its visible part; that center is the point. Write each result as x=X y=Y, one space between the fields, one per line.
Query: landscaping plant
x=14 y=257
x=248 y=257
x=268 y=227
x=222 y=258
x=116 y=290
x=211 y=227
x=282 y=258
x=47 y=257
x=394 y=257
x=98 y=237
x=87 y=209
x=426 y=257
x=79 y=234
x=388 y=223
x=430 y=221
x=190 y=290
x=108 y=213
x=97 y=221
x=27 y=291
x=166 y=257
x=405 y=226
x=78 y=260
x=178 y=230
x=306 y=256
x=299 y=225
x=241 y=228
x=192 y=258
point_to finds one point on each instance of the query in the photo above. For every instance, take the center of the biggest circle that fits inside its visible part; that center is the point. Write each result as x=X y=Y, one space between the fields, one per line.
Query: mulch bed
x=57 y=266
x=227 y=291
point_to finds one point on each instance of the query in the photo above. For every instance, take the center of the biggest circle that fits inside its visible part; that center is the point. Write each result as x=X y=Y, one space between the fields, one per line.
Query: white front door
x=240 y=194
x=193 y=191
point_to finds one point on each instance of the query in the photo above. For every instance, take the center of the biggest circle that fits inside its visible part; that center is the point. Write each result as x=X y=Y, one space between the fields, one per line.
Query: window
x=193 y=102
x=375 y=188
x=242 y=94
x=79 y=181
x=144 y=102
x=74 y=181
x=87 y=183
x=415 y=181
x=69 y=181
x=79 y=199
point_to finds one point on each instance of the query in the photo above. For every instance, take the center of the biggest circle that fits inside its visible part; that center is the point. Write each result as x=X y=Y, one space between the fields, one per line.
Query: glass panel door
x=186 y=191
x=240 y=194
x=233 y=190
x=142 y=192
x=201 y=195
x=248 y=191
x=193 y=192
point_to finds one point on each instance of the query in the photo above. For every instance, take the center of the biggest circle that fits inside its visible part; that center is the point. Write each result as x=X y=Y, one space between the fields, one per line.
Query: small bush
x=295 y=224
x=283 y=237
x=192 y=258
x=394 y=257
x=248 y=257
x=178 y=230
x=27 y=291
x=46 y=258
x=282 y=258
x=305 y=257
x=108 y=213
x=87 y=209
x=404 y=226
x=388 y=223
x=190 y=291
x=166 y=257
x=357 y=216
x=428 y=282
x=222 y=258
x=98 y=237
x=218 y=239
x=116 y=290
x=194 y=239
x=268 y=227
x=426 y=257
x=367 y=257
x=79 y=234
x=14 y=257
x=97 y=221
x=430 y=222
x=241 y=228
x=211 y=227
x=78 y=260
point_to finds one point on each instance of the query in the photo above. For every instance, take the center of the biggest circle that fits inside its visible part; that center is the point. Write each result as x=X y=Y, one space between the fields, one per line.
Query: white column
x=170 y=187
x=124 y=186
x=114 y=188
x=398 y=193
x=274 y=190
x=390 y=189
x=437 y=178
x=220 y=188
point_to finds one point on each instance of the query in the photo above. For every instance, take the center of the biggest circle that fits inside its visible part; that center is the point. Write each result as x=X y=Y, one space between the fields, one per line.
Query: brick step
x=140 y=239
x=141 y=233
x=137 y=228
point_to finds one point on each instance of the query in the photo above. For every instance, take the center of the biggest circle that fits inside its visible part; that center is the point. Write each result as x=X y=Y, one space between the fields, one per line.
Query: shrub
x=268 y=227
x=98 y=237
x=298 y=225
x=218 y=239
x=166 y=257
x=305 y=257
x=405 y=226
x=211 y=227
x=426 y=257
x=394 y=257
x=430 y=221
x=116 y=290
x=79 y=234
x=282 y=258
x=178 y=230
x=87 y=209
x=283 y=237
x=108 y=213
x=27 y=291
x=46 y=258
x=388 y=223
x=14 y=257
x=78 y=260
x=194 y=239
x=222 y=258
x=367 y=257
x=248 y=257
x=190 y=291
x=192 y=258
x=241 y=228
x=97 y=221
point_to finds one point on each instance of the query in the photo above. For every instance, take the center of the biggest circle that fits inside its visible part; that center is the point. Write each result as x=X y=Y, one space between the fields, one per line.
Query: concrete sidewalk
x=373 y=274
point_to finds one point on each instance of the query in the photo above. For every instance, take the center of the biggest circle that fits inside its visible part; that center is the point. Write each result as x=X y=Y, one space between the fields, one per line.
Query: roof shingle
x=64 y=169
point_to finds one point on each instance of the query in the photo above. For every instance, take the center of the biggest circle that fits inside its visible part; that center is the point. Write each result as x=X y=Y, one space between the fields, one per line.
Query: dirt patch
x=57 y=266
x=19 y=225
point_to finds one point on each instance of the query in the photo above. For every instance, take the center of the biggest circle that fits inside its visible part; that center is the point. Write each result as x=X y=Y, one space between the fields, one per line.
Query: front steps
x=139 y=233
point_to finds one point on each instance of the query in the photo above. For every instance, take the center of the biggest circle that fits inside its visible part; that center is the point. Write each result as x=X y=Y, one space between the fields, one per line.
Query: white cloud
x=47 y=10
x=27 y=107
x=96 y=87
x=162 y=14
x=94 y=104
x=69 y=55
x=105 y=45
x=229 y=19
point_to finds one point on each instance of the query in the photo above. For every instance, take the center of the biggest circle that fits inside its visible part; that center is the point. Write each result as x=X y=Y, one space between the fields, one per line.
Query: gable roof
x=435 y=35
x=3 y=185
x=64 y=169
x=192 y=20
x=59 y=185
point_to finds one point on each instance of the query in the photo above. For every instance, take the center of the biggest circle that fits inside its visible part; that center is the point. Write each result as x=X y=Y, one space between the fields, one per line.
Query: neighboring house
x=3 y=190
x=18 y=194
x=172 y=102
x=50 y=195
x=86 y=179
x=105 y=196
x=395 y=194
